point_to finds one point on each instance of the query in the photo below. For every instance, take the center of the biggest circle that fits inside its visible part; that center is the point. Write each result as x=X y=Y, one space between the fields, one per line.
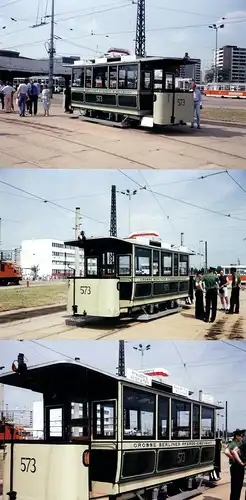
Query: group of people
x=210 y=286
x=236 y=452
x=27 y=96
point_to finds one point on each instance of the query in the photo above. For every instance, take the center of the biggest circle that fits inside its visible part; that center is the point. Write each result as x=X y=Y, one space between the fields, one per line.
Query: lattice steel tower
x=121 y=363
x=113 y=216
x=140 y=49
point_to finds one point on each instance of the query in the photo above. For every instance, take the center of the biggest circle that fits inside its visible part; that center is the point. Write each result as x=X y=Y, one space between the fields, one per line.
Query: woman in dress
x=46 y=100
x=199 y=305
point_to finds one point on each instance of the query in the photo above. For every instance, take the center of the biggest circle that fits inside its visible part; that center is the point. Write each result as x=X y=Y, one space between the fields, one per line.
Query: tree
x=35 y=270
x=223 y=75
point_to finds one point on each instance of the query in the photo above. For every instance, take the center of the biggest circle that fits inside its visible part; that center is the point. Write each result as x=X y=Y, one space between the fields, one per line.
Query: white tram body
x=109 y=438
x=127 y=276
x=132 y=90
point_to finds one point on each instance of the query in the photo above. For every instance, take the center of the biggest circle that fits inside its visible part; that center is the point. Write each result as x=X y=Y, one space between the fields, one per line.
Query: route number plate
x=85 y=290
x=181 y=102
x=28 y=465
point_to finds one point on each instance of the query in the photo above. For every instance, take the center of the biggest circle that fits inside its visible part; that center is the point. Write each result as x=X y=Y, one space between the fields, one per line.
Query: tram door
x=164 y=100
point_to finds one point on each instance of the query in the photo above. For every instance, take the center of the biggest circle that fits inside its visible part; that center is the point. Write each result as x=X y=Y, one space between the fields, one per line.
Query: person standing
x=1 y=94
x=199 y=304
x=235 y=290
x=46 y=100
x=8 y=92
x=197 y=106
x=211 y=282
x=22 y=94
x=223 y=290
x=238 y=453
x=33 y=93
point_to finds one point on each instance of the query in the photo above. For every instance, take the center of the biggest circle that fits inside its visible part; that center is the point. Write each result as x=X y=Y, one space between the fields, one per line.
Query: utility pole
x=216 y=27
x=52 y=47
x=140 y=47
x=206 y=257
x=77 y=235
x=0 y=233
x=226 y=421
x=182 y=240
x=121 y=363
x=113 y=216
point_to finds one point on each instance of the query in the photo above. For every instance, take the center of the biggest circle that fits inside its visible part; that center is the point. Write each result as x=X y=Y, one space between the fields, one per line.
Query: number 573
x=28 y=465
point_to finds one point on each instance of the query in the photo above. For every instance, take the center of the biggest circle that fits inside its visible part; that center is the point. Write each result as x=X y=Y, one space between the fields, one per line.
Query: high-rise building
x=232 y=61
x=192 y=71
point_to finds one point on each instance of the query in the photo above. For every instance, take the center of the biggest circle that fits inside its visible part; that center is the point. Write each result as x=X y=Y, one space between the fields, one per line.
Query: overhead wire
x=43 y=200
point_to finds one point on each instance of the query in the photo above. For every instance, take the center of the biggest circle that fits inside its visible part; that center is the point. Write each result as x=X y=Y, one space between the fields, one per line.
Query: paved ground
x=60 y=141
x=181 y=326
x=217 y=102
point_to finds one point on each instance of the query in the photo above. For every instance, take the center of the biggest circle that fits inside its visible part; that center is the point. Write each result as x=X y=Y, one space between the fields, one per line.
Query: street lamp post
x=141 y=348
x=216 y=27
x=201 y=254
x=130 y=194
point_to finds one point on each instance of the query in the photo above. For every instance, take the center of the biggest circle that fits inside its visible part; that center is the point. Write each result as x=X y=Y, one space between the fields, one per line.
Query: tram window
x=166 y=264
x=207 y=423
x=88 y=77
x=196 y=422
x=183 y=265
x=175 y=264
x=124 y=265
x=227 y=271
x=181 y=420
x=55 y=422
x=91 y=266
x=139 y=414
x=138 y=463
x=146 y=80
x=169 y=81
x=104 y=420
x=163 y=418
x=78 y=77
x=156 y=263
x=142 y=261
x=128 y=77
x=100 y=77
x=112 y=77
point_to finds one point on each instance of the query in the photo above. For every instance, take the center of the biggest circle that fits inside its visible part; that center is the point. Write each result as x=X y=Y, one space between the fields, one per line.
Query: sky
x=170 y=31
x=217 y=368
x=25 y=217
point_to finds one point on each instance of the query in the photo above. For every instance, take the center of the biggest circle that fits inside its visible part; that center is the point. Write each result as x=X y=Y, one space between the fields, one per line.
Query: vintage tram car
x=132 y=90
x=110 y=438
x=138 y=276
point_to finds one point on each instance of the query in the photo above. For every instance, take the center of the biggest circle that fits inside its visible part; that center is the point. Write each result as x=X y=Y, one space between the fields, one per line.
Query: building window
x=139 y=414
x=207 y=423
x=142 y=261
x=163 y=418
x=181 y=420
x=196 y=422
x=104 y=420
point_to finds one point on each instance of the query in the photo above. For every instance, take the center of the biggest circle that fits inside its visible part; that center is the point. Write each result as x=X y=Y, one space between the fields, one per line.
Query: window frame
x=118 y=256
x=159 y=437
x=94 y=421
x=125 y=437
x=181 y=438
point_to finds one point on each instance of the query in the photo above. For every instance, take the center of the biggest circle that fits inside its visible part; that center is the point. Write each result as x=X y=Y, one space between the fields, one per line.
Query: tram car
x=138 y=277
x=110 y=438
x=10 y=274
x=132 y=91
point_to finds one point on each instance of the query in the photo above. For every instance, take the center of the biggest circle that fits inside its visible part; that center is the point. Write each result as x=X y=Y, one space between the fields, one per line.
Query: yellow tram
x=110 y=438
x=139 y=277
x=132 y=91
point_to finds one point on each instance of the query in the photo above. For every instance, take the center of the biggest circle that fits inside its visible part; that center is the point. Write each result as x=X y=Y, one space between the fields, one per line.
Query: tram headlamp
x=86 y=458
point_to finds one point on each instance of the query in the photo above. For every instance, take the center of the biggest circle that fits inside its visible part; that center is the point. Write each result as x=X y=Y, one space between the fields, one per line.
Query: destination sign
x=138 y=377
x=142 y=445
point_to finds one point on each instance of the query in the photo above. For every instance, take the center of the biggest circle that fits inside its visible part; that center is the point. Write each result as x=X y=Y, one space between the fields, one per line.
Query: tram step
x=149 y=317
x=106 y=123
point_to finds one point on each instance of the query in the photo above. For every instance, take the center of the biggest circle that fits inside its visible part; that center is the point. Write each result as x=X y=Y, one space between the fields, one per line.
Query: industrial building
x=232 y=60
x=52 y=258
x=192 y=71
x=13 y=65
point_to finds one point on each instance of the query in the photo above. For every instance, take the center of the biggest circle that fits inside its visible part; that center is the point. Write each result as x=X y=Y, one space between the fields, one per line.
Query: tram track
x=47 y=129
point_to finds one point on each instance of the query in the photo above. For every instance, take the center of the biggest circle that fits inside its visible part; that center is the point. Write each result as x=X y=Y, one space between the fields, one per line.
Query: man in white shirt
x=197 y=106
x=8 y=91
x=22 y=94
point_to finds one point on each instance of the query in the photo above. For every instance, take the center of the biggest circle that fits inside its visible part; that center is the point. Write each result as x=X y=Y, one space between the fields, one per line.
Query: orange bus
x=9 y=273
x=241 y=270
x=225 y=89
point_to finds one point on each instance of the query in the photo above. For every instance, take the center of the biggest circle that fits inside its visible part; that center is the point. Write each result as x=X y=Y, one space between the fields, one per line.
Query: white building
x=232 y=60
x=53 y=258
